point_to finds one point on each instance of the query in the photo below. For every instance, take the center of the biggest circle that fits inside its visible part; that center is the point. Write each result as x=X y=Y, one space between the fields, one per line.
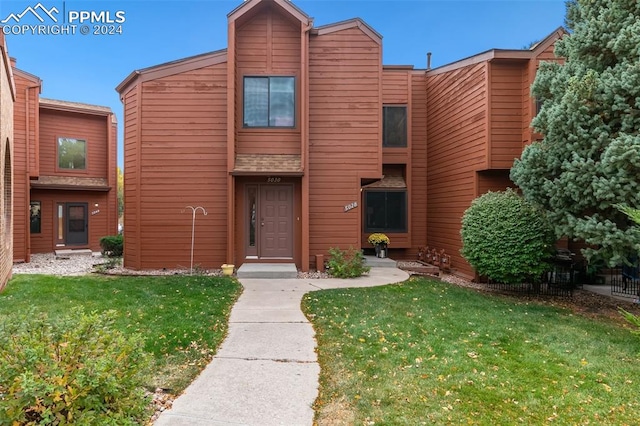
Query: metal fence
x=625 y=281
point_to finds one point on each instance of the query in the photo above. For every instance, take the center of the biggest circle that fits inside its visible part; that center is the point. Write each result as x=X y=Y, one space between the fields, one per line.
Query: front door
x=269 y=218
x=276 y=224
x=77 y=224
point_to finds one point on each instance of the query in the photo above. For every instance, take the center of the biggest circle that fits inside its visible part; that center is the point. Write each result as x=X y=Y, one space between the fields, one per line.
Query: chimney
x=428 y=60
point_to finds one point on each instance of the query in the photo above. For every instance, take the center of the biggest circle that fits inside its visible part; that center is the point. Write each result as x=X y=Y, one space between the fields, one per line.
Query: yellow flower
x=378 y=238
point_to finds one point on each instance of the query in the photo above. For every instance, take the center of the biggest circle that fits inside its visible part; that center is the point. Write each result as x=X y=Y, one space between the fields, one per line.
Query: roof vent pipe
x=428 y=60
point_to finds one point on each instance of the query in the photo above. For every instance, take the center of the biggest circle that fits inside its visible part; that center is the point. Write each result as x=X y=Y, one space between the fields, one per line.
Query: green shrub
x=505 y=238
x=346 y=264
x=74 y=370
x=112 y=245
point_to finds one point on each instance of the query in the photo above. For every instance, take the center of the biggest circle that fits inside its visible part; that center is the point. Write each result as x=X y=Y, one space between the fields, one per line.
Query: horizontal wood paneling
x=100 y=223
x=268 y=44
x=131 y=256
x=24 y=138
x=344 y=133
x=506 y=114
x=456 y=147
x=182 y=162
x=93 y=129
x=395 y=87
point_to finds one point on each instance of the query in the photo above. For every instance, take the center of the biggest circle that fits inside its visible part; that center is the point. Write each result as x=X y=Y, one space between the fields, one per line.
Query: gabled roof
x=173 y=67
x=489 y=55
x=286 y=5
x=55 y=104
x=350 y=23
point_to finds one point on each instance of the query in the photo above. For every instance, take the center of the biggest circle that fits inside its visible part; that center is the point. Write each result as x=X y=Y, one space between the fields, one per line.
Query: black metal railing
x=625 y=281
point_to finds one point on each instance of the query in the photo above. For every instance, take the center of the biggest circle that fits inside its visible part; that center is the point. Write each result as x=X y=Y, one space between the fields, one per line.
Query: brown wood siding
x=345 y=109
x=418 y=190
x=506 y=113
x=93 y=129
x=268 y=44
x=528 y=106
x=99 y=218
x=25 y=125
x=394 y=87
x=456 y=147
x=493 y=180
x=131 y=256
x=182 y=161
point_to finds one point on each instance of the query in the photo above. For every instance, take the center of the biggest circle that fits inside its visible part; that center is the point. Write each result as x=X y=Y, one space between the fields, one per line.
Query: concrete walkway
x=266 y=371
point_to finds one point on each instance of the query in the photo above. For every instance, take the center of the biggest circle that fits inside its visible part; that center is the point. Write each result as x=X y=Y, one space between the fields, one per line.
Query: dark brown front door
x=77 y=224
x=276 y=221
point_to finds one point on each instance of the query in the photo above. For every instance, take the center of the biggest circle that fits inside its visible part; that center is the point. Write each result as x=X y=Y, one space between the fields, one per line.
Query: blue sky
x=87 y=68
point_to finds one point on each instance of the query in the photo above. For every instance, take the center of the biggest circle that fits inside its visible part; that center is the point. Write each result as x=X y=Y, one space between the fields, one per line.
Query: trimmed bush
x=72 y=370
x=112 y=245
x=346 y=264
x=506 y=239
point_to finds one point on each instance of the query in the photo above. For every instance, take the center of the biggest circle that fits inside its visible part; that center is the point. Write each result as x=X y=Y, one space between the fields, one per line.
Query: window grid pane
x=269 y=102
x=394 y=126
x=386 y=211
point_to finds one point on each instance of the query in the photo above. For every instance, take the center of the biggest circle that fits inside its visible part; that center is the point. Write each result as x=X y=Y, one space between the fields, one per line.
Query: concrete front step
x=68 y=253
x=267 y=270
x=377 y=262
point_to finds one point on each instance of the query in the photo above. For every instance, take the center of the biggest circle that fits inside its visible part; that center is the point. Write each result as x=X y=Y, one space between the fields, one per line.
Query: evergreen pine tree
x=589 y=159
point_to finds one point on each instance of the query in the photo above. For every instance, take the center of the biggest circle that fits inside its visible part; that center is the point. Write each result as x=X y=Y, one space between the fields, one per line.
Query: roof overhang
x=268 y=164
x=75 y=107
x=286 y=5
x=345 y=25
x=172 y=68
x=68 y=183
x=6 y=60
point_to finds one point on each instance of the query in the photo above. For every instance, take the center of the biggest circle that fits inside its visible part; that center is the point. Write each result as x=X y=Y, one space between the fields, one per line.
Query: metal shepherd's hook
x=193 y=229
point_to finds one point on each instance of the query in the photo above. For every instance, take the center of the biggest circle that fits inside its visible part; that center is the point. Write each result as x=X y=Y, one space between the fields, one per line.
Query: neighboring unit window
x=35 y=217
x=386 y=211
x=72 y=154
x=394 y=126
x=269 y=101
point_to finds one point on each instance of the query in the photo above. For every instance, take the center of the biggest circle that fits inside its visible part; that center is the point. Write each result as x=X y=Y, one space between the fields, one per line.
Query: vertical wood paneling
x=456 y=127
x=344 y=133
x=183 y=163
x=131 y=256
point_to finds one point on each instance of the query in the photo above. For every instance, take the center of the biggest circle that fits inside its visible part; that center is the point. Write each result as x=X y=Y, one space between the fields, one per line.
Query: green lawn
x=426 y=352
x=183 y=318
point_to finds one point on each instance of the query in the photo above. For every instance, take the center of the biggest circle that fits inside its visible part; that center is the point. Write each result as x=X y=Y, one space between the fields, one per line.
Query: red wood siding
x=182 y=162
x=100 y=218
x=418 y=170
x=268 y=44
x=25 y=132
x=506 y=113
x=456 y=147
x=93 y=129
x=394 y=87
x=131 y=257
x=345 y=145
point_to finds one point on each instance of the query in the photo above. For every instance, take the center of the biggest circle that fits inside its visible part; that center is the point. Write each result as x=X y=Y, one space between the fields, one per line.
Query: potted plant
x=380 y=242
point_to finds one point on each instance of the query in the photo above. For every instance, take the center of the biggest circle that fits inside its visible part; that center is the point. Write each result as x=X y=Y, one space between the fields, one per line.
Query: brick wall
x=6 y=165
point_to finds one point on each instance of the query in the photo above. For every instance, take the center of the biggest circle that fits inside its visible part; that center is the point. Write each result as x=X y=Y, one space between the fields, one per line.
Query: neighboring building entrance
x=269 y=221
x=76 y=224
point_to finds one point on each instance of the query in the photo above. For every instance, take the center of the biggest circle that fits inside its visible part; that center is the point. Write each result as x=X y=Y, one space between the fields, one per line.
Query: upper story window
x=269 y=101
x=72 y=154
x=394 y=126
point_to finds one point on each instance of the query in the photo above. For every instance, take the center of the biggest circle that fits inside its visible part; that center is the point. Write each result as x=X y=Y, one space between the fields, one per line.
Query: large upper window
x=394 y=126
x=72 y=154
x=269 y=101
x=386 y=211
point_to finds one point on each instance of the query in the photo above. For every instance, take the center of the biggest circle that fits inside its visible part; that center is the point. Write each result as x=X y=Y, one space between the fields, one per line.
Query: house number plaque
x=351 y=206
x=273 y=180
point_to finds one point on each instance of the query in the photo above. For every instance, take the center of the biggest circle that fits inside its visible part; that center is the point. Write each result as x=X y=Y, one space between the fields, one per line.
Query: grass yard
x=183 y=319
x=427 y=352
